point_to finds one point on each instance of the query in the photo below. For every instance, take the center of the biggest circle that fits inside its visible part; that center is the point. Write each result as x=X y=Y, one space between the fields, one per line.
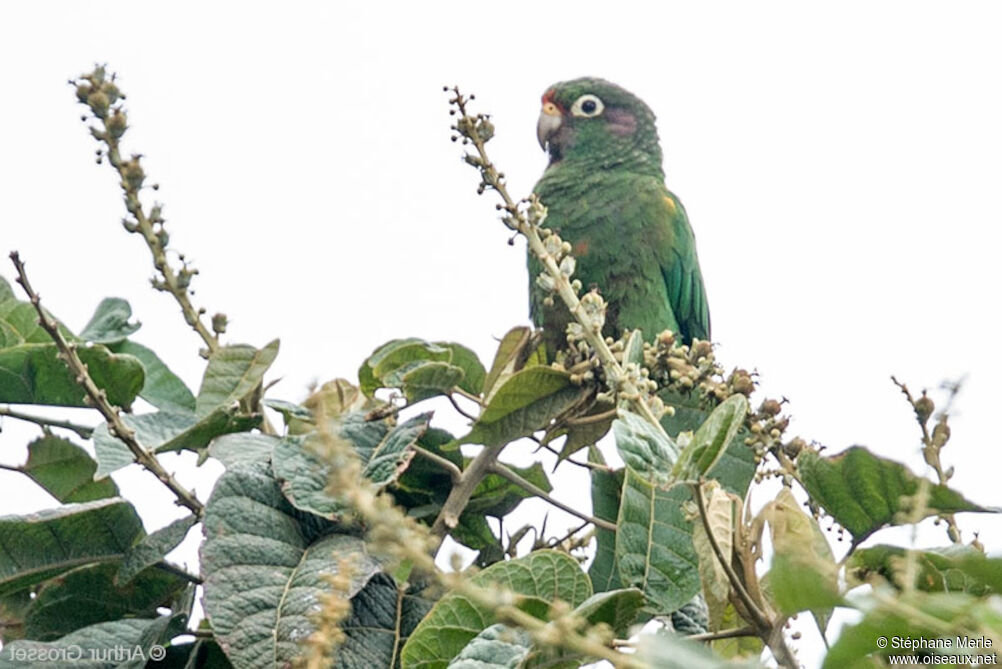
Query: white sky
x=840 y=168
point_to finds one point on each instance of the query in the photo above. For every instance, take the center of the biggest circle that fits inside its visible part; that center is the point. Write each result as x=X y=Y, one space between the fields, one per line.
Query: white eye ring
x=587 y=105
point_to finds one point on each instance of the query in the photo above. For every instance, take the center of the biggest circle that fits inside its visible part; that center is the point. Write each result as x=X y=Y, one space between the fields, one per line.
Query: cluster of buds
x=682 y=368
x=98 y=91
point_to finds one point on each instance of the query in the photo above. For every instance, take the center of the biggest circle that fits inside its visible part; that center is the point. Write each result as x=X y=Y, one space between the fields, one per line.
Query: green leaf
x=232 y=374
x=421 y=380
x=474 y=373
x=380 y=623
x=948 y=569
x=605 y=491
x=863 y=492
x=474 y=532
x=289 y=410
x=541 y=577
x=66 y=471
x=152 y=548
x=654 y=549
x=393 y=455
x=102 y=640
x=110 y=322
x=736 y=467
x=667 y=650
x=648 y=452
x=34 y=374
x=711 y=439
x=497 y=496
x=804 y=575
x=265 y=570
x=12 y=610
x=496 y=647
x=510 y=351
x=966 y=616
x=583 y=434
x=525 y=402
x=6 y=292
x=721 y=515
x=165 y=431
x=87 y=595
x=162 y=388
x=38 y=546
x=425 y=484
x=616 y=608
x=797 y=586
x=243 y=448
x=394 y=354
x=305 y=477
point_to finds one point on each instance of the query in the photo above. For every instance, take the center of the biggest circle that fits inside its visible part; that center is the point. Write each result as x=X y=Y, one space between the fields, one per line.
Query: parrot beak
x=549 y=122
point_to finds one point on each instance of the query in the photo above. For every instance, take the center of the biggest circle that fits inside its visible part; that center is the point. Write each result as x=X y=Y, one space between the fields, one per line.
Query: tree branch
x=454 y=472
x=505 y=472
x=99 y=399
x=83 y=431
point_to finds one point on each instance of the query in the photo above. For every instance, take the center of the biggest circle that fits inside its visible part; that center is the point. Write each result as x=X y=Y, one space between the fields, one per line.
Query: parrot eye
x=587 y=105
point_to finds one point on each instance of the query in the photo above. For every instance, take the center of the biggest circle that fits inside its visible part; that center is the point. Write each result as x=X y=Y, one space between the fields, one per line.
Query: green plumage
x=605 y=193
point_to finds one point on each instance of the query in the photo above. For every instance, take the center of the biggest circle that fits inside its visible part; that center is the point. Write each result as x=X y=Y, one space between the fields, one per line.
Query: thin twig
x=99 y=399
x=470 y=396
x=83 y=431
x=723 y=634
x=505 y=472
x=459 y=409
x=455 y=473
x=594 y=418
x=770 y=633
x=163 y=565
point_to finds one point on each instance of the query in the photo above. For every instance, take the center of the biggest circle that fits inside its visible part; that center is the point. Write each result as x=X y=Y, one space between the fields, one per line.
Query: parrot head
x=594 y=122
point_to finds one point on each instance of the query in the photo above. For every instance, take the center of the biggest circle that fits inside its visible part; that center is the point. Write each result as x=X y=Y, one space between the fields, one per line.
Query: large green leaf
x=165 y=431
x=711 y=439
x=66 y=471
x=34 y=374
x=305 y=477
x=654 y=549
x=510 y=353
x=265 y=569
x=31 y=371
x=540 y=577
x=38 y=546
x=395 y=354
x=736 y=466
x=863 y=492
x=803 y=574
x=232 y=374
x=110 y=322
x=162 y=388
x=152 y=548
x=243 y=447
x=104 y=642
x=474 y=373
x=382 y=619
x=422 y=369
x=525 y=402
x=394 y=453
x=496 y=647
x=915 y=617
x=644 y=448
x=606 y=487
x=949 y=569
x=87 y=595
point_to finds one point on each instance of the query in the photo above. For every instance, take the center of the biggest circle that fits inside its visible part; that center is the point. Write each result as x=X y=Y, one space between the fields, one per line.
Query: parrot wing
x=680 y=268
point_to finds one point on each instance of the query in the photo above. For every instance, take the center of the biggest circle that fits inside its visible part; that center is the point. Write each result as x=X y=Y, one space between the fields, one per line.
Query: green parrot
x=605 y=192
